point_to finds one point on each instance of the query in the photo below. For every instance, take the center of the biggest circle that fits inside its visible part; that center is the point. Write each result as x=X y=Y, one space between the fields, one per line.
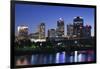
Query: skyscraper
x=41 y=31
x=70 y=30
x=60 y=27
x=87 y=31
x=78 y=26
x=51 y=33
x=22 y=31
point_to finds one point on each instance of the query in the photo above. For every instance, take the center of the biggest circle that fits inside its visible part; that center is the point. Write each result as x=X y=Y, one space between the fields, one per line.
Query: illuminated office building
x=70 y=30
x=78 y=26
x=34 y=35
x=23 y=30
x=87 y=31
x=60 y=27
x=51 y=33
x=41 y=31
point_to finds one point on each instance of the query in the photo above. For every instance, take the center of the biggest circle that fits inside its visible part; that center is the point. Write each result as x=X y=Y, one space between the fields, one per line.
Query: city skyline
x=30 y=15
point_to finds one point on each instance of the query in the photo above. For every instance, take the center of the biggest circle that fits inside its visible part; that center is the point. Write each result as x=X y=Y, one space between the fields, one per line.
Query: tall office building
x=78 y=26
x=23 y=30
x=70 y=29
x=41 y=31
x=87 y=31
x=60 y=27
x=51 y=33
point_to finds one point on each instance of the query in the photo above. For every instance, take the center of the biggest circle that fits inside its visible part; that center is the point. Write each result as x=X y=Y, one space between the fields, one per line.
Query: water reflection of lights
x=22 y=61
x=32 y=59
x=71 y=58
x=60 y=57
x=57 y=57
x=75 y=57
x=64 y=53
x=79 y=57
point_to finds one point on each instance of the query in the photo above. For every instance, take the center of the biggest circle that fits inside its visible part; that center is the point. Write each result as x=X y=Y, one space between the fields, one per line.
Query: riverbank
x=25 y=51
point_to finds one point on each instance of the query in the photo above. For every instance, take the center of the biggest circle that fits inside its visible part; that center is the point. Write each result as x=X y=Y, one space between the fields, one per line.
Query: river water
x=60 y=57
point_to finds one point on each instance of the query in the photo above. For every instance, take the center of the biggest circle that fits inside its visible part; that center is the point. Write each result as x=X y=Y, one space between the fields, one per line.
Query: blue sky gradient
x=33 y=15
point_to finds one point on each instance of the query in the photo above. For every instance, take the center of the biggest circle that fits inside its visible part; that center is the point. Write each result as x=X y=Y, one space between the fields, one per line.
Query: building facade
x=60 y=27
x=78 y=26
x=51 y=33
x=41 y=31
x=23 y=31
x=70 y=29
x=34 y=35
x=87 y=31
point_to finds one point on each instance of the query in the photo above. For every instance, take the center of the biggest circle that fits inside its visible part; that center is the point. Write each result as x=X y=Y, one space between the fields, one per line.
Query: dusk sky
x=33 y=15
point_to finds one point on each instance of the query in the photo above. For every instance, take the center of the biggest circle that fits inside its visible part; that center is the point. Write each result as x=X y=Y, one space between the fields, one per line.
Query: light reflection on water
x=60 y=57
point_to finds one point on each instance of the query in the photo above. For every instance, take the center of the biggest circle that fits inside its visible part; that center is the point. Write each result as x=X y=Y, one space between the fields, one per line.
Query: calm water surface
x=60 y=57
